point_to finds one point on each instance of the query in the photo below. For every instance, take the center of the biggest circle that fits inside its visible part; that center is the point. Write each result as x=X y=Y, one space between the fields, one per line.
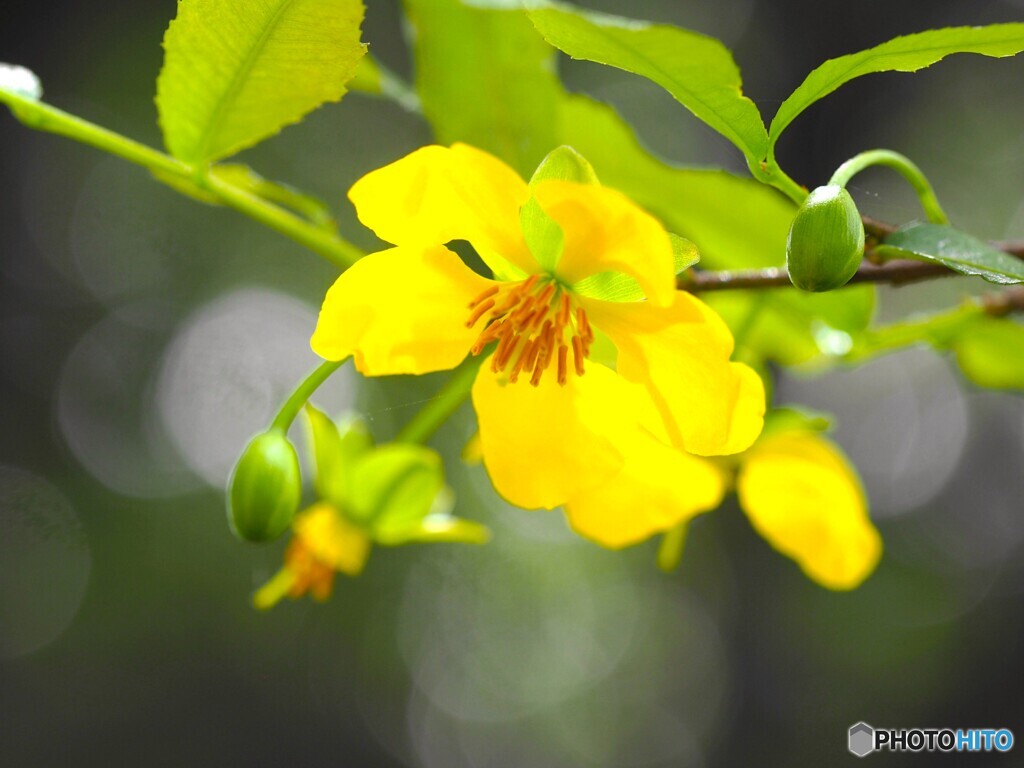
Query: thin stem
x=424 y=424
x=905 y=167
x=670 y=550
x=302 y=393
x=186 y=177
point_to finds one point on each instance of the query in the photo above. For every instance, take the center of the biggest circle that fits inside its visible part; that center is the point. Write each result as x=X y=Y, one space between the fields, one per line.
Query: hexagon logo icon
x=862 y=739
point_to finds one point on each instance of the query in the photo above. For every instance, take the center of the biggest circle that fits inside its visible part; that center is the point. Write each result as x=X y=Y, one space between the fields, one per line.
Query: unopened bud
x=826 y=240
x=265 y=488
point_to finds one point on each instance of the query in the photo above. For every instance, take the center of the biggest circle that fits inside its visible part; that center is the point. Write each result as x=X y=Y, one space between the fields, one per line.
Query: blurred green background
x=143 y=337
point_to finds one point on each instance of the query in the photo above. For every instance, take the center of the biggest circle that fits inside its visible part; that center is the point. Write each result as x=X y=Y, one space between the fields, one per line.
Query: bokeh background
x=143 y=337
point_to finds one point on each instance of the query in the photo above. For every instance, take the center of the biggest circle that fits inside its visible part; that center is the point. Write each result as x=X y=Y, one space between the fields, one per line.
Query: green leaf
x=957 y=250
x=235 y=73
x=543 y=236
x=698 y=71
x=564 y=164
x=990 y=352
x=335 y=451
x=902 y=54
x=487 y=78
x=394 y=487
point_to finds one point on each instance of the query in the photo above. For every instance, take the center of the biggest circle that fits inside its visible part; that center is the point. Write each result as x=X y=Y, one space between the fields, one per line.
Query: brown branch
x=872 y=270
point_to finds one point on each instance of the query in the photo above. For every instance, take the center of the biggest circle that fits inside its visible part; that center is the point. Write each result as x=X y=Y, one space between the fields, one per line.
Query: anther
x=578 y=355
x=492 y=291
x=563 y=367
x=479 y=312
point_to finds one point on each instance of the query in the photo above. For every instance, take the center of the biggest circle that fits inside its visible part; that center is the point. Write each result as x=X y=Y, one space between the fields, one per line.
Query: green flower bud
x=826 y=240
x=265 y=488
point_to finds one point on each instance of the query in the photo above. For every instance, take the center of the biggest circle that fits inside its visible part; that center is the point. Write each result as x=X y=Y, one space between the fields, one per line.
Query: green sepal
x=792 y=418
x=502 y=269
x=616 y=286
x=336 y=448
x=543 y=236
x=564 y=164
x=394 y=487
x=684 y=253
x=438 y=528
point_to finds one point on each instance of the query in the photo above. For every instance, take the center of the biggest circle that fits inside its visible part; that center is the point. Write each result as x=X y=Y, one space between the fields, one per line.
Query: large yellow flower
x=588 y=403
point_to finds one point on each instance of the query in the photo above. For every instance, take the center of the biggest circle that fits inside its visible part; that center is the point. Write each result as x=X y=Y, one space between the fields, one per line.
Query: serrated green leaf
x=394 y=487
x=902 y=54
x=955 y=249
x=990 y=352
x=564 y=164
x=336 y=449
x=543 y=235
x=236 y=73
x=697 y=70
x=487 y=78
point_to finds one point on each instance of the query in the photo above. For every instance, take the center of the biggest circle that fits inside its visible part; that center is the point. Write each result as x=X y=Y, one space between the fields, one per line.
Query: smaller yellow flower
x=324 y=543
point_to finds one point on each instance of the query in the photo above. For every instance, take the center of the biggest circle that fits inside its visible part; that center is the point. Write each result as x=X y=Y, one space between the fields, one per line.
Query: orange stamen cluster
x=308 y=573
x=531 y=321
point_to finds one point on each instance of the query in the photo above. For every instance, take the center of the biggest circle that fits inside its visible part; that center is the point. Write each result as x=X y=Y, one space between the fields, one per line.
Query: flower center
x=309 y=574
x=535 y=323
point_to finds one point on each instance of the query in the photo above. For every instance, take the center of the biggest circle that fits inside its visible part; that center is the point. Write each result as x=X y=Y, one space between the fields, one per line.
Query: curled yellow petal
x=680 y=354
x=332 y=540
x=543 y=445
x=804 y=497
x=607 y=232
x=403 y=310
x=439 y=194
x=658 y=488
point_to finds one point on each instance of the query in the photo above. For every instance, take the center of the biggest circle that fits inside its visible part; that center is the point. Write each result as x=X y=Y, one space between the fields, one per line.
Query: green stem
x=43 y=117
x=453 y=394
x=782 y=182
x=905 y=167
x=302 y=393
x=670 y=550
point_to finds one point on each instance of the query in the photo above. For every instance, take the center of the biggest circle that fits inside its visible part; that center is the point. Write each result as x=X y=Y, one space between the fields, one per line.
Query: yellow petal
x=439 y=194
x=333 y=540
x=680 y=353
x=657 y=488
x=804 y=497
x=403 y=310
x=543 y=445
x=606 y=232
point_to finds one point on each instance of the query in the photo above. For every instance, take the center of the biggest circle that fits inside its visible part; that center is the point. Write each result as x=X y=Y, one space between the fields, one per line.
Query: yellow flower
x=324 y=543
x=590 y=404
x=804 y=497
